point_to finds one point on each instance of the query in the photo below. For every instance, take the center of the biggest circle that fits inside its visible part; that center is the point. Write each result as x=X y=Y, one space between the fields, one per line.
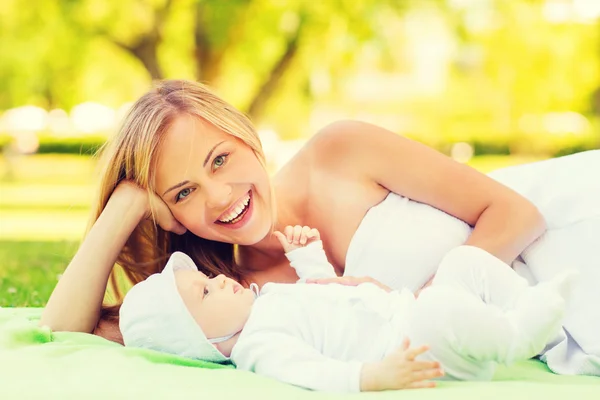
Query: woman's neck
x=289 y=211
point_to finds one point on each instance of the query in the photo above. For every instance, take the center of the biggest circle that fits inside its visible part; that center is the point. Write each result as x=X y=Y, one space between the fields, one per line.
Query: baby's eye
x=183 y=194
x=205 y=291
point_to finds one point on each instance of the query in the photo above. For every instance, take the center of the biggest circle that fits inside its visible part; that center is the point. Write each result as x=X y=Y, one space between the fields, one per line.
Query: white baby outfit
x=319 y=336
x=401 y=242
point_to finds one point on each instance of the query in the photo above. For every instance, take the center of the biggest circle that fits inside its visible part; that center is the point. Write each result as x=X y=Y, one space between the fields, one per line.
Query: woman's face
x=213 y=183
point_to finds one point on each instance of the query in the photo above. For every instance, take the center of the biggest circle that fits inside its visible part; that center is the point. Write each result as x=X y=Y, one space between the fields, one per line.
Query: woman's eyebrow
x=180 y=184
x=210 y=152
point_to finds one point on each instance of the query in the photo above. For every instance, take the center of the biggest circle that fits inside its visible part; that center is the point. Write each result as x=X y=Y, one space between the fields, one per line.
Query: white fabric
x=401 y=242
x=318 y=336
x=567 y=192
x=478 y=312
x=153 y=316
x=314 y=335
x=310 y=262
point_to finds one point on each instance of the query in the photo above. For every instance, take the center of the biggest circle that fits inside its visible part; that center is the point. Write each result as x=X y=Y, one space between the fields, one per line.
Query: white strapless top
x=401 y=242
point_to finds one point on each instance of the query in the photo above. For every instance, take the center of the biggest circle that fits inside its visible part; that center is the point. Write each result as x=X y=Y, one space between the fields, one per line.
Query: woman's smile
x=238 y=215
x=235 y=212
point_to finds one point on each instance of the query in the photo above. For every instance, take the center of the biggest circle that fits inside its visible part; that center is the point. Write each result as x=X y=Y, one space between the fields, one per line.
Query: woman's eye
x=183 y=194
x=220 y=160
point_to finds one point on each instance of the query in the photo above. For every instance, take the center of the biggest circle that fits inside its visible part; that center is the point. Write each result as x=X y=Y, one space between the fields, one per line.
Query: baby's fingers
x=297 y=234
x=304 y=236
x=426 y=374
x=425 y=365
x=313 y=234
x=289 y=233
x=282 y=239
x=412 y=353
x=405 y=343
x=421 y=385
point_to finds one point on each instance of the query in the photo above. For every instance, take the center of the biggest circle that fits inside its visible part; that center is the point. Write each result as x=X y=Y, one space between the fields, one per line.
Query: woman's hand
x=162 y=215
x=400 y=370
x=349 y=281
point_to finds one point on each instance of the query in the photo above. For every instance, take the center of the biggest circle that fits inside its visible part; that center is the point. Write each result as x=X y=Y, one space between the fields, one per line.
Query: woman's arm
x=504 y=222
x=76 y=300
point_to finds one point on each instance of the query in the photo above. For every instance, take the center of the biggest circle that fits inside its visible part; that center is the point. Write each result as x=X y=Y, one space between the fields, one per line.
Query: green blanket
x=36 y=363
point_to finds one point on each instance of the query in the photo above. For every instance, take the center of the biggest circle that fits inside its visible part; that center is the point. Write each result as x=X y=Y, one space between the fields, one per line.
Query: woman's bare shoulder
x=345 y=133
x=333 y=147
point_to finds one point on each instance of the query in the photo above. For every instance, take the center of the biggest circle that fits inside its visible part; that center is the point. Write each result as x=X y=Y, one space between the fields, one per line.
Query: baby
x=477 y=313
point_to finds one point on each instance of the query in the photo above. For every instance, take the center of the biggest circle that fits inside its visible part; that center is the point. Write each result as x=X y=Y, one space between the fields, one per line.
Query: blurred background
x=488 y=82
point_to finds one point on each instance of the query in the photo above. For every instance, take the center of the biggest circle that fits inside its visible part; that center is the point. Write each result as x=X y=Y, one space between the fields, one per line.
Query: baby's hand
x=297 y=236
x=400 y=370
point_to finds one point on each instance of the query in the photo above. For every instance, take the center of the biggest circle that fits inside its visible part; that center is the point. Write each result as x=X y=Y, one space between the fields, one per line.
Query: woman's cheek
x=189 y=216
x=181 y=215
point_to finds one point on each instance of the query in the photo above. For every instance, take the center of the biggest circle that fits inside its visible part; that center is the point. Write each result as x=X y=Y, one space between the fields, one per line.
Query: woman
x=186 y=172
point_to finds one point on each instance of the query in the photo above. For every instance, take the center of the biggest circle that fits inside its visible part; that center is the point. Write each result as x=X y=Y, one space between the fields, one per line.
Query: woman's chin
x=255 y=235
x=254 y=239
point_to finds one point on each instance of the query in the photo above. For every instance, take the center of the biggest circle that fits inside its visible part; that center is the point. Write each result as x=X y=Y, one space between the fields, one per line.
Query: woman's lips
x=245 y=217
x=240 y=204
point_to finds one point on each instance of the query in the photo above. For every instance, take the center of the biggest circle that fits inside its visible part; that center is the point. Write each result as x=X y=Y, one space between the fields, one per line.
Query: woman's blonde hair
x=132 y=154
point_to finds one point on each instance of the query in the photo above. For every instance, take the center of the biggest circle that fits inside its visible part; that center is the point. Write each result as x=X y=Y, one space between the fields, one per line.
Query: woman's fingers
x=342 y=280
x=163 y=216
x=323 y=281
x=177 y=228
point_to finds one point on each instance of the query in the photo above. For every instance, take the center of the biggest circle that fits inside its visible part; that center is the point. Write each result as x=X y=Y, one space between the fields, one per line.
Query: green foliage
x=5 y=140
x=48 y=144
x=84 y=145
x=537 y=145
x=542 y=144
x=495 y=62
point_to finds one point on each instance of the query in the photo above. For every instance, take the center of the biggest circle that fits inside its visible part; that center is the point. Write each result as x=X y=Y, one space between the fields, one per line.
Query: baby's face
x=220 y=305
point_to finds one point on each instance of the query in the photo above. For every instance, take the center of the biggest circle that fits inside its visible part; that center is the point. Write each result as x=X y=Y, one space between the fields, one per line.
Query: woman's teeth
x=236 y=213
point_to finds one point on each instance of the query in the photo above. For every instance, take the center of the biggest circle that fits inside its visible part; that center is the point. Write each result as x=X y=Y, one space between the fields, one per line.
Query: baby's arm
x=287 y=358
x=304 y=250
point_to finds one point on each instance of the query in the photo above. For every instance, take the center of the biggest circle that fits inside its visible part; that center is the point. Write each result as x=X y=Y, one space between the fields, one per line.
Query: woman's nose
x=218 y=195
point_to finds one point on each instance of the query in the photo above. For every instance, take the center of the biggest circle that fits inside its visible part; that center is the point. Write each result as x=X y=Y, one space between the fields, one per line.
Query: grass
x=44 y=203
x=30 y=269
